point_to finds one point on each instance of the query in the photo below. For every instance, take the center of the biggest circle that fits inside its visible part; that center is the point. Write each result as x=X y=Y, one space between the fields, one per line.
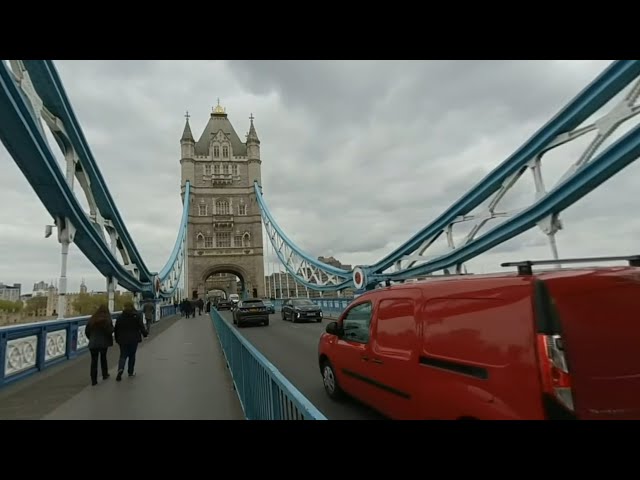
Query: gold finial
x=219 y=108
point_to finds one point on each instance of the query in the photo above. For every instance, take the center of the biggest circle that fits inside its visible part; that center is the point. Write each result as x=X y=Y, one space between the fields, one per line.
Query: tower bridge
x=205 y=367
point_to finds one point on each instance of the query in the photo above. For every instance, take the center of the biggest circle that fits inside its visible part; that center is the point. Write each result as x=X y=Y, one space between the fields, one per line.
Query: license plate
x=254 y=310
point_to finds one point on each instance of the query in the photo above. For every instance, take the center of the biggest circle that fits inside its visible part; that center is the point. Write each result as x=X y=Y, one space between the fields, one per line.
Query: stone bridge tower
x=225 y=227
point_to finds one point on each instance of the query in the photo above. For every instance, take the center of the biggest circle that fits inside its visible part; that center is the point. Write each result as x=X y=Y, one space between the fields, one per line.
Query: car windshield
x=302 y=302
x=266 y=302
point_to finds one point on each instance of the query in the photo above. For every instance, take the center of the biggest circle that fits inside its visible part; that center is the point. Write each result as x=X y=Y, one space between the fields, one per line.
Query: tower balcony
x=223 y=221
x=222 y=179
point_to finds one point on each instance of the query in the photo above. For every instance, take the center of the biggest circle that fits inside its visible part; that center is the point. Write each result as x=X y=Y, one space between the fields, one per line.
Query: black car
x=251 y=311
x=297 y=309
x=224 y=304
x=269 y=304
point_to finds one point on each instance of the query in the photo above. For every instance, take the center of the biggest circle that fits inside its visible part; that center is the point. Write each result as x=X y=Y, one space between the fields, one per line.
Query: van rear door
x=589 y=343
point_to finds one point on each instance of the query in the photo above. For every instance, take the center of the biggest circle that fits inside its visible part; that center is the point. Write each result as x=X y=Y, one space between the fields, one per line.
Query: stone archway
x=215 y=292
x=243 y=289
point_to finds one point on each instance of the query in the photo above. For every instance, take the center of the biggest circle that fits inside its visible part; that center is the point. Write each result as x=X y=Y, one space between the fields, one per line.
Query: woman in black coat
x=129 y=332
x=99 y=331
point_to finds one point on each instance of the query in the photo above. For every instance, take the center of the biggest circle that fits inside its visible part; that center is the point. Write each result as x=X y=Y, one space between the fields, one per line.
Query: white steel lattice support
x=112 y=284
x=113 y=238
x=551 y=224
x=74 y=168
x=133 y=270
x=22 y=77
x=66 y=233
x=299 y=266
x=604 y=127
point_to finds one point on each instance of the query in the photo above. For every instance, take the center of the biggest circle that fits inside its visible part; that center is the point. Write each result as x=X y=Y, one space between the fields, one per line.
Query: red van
x=560 y=344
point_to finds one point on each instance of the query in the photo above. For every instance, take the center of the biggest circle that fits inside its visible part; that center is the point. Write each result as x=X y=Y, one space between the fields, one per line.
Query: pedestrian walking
x=99 y=331
x=129 y=331
x=148 y=309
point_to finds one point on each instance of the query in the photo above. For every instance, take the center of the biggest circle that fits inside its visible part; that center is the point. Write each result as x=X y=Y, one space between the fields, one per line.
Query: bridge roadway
x=180 y=375
x=293 y=349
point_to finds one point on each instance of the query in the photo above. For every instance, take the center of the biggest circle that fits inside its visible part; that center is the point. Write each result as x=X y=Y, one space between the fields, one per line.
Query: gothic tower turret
x=187 y=147
x=253 y=154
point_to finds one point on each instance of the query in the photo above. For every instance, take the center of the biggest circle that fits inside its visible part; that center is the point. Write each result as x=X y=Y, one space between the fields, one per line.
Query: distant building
x=283 y=285
x=40 y=289
x=10 y=293
x=70 y=297
x=334 y=263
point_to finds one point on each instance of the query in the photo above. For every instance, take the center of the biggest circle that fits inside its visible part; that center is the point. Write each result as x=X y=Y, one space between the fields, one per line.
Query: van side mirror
x=333 y=329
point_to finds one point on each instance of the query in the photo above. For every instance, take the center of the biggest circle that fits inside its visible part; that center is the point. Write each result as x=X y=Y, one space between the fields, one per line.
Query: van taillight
x=556 y=380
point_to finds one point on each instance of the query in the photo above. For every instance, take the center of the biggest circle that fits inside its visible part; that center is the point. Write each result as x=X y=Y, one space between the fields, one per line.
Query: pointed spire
x=187 y=136
x=252 y=136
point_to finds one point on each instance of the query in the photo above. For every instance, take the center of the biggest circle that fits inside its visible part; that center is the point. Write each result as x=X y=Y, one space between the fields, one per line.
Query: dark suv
x=224 y=304
x=251 y=311
x=297 y=309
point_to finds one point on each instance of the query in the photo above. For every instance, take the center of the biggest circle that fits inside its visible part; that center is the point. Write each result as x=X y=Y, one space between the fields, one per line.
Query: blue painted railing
x=332 y=307
x=32 y=347
x=264 y=393
x=29 y=348
x=168 y=310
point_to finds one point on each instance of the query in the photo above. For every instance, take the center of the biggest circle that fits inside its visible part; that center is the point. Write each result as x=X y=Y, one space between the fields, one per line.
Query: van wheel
x=330 y=381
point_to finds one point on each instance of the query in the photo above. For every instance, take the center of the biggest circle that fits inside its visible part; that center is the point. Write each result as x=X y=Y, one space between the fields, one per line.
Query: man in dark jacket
x=128 y=331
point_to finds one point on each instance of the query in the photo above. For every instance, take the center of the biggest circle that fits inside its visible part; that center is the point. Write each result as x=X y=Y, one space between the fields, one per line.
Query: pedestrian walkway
x=180 y=375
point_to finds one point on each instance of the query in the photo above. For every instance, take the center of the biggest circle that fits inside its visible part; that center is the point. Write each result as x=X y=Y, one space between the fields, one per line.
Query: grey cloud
x=357 y=156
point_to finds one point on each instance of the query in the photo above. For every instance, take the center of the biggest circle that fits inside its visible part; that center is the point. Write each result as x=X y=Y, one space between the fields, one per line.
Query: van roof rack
x=524 y=267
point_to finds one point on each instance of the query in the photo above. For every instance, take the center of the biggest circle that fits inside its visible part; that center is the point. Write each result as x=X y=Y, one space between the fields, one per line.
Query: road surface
x=293 y=349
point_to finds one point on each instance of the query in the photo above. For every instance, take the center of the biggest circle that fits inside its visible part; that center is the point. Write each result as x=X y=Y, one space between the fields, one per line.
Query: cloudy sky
x=357 y=155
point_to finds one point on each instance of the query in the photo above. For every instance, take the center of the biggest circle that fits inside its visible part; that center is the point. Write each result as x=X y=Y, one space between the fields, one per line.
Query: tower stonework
x=225 y=227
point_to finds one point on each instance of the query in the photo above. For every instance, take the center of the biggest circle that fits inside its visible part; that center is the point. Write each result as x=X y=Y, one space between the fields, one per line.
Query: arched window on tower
x=246 y=240
x=225 y=152
x=216 y=151
x=200 y=240
x=237 y=241
x=202 y=209
x=222 y=207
